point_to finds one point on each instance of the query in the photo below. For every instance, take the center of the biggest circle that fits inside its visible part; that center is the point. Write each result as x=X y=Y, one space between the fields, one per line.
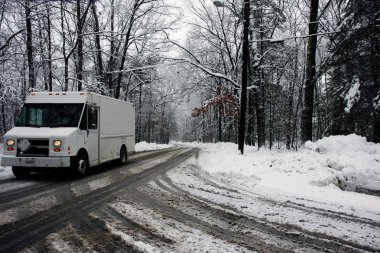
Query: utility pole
x=245 y=66
x=307 y=113
x=244 y=75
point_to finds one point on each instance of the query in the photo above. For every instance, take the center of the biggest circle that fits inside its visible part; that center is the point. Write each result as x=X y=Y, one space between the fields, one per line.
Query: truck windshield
x=50 y=115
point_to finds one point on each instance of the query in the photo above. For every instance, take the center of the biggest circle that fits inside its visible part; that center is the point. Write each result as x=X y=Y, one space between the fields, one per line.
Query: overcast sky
x=180 y=8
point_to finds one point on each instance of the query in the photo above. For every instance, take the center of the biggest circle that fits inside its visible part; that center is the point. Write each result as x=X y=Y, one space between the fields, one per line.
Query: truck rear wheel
x=79 y=165
x=21 y=172
x=123 y=156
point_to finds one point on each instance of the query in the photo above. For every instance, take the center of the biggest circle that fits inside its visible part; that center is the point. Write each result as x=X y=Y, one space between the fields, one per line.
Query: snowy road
x=159 y=202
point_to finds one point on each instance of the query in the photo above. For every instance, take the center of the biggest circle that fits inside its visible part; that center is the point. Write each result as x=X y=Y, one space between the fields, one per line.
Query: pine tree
x=355 y=70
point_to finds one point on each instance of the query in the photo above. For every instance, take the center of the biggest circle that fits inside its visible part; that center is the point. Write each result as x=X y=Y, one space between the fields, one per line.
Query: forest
x=267 y=73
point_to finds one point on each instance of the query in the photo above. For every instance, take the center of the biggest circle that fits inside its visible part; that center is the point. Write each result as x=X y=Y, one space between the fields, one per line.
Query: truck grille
x=37 y=148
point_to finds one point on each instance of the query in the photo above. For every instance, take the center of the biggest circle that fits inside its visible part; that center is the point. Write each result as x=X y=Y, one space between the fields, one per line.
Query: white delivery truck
x=69 y=129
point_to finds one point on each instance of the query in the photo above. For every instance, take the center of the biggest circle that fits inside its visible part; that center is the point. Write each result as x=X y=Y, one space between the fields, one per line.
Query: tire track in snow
x=22 y=233
x=94 y=231
x=139 y=232
x=24 y=194
x=40 y=182
x=329 y=213
x=264 y=233
x=154 y=203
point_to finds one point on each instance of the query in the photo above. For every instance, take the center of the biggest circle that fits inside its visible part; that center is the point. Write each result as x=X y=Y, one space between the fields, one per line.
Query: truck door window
x=92 y=118
x=83 y=122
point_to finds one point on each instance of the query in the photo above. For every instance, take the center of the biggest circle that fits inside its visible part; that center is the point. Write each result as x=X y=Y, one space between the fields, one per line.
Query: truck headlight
x=10 y=142
x=57 y=143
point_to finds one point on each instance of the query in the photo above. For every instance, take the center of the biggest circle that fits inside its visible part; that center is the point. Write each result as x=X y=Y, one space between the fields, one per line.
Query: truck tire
x=123 y=156
x=21 y=172
x=80 y=165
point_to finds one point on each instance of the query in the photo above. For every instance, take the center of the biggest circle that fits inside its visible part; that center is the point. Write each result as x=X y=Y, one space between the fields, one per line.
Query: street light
x=244 y=75
x=221 y=4
x=218 y=3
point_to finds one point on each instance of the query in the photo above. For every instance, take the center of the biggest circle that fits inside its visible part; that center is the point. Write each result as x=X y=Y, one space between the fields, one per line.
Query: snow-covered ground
x=323 y=174
x=311 y=191
x=328 y=171
x=281 y=198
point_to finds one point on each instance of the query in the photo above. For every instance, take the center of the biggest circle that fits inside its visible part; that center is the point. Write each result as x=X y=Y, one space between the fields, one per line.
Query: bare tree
x=98 y=48
x=29 y=44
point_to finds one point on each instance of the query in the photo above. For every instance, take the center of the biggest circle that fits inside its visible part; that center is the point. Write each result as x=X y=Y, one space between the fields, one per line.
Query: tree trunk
x=110 y=67
x=29 y=45
x=79 y=47
x=270 y=117
x=66 y=60
x=3 y=117
x=375 y=49
x=136 y=6
x=289 y=124
x=42 y=53
x=220 y=111
x=50 y=74
x=139 y=116
x=3 y=120
x=251 y=121
x=97 y=45
x=260 y=118
x=307 y=113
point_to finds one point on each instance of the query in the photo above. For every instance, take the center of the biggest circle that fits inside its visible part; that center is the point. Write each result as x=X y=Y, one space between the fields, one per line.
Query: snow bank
x=5 y=172
x=145 y=146
x=327 y=171
x=354 y=161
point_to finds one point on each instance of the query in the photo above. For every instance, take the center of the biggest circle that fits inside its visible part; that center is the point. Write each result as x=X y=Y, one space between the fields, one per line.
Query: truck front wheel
x=79 y=165
x=21 y=172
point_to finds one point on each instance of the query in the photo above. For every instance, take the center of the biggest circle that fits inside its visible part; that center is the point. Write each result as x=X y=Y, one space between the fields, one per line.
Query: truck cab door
x=93 y=135
x=89 y=134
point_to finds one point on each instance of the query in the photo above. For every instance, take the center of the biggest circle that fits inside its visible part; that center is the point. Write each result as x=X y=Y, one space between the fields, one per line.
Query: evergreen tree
x=354 y=70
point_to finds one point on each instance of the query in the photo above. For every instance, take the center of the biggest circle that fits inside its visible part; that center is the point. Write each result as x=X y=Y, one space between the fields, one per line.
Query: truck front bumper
x=49 y=162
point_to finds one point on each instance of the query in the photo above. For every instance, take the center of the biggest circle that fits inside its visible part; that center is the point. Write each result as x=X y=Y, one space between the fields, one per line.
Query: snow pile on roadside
x=318 y=172
x=354 y=161
x=145 y=146
x=4 y=171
